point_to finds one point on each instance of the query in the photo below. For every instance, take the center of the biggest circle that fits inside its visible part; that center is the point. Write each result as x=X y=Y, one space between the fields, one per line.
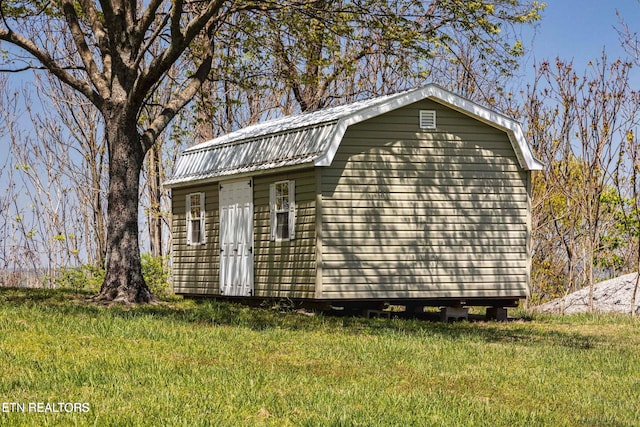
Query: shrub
x=89 y=277
x=156 y=274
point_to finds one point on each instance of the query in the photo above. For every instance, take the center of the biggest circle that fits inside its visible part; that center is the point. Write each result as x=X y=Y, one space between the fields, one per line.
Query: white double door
x=236 y=238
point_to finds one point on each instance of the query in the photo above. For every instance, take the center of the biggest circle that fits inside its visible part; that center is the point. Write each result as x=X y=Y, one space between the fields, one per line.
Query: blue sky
x=580 y=29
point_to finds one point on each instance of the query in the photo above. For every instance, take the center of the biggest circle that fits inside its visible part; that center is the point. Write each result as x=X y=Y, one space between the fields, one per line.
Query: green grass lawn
x=210 y=363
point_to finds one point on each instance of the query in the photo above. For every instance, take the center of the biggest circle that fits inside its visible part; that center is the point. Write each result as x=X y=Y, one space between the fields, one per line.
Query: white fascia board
x=326 y=158
x=444 y=97
x=518 y=139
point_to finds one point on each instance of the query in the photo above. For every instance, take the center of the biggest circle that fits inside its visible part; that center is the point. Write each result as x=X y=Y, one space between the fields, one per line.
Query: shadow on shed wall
x=414 y=213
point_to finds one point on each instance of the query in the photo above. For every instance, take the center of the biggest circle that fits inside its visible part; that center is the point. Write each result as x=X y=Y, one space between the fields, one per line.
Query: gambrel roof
x=313 y=138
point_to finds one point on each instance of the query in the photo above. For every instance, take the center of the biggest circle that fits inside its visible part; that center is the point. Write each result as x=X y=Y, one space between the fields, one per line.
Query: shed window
x=195 y=219
x=283 y=210
x=427 y=119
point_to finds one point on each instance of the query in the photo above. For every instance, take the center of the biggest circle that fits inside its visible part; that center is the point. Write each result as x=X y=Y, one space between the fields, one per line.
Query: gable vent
x=427 y=119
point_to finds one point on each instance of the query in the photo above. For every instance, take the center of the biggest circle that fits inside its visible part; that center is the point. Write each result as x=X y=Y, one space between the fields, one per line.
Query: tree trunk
x=124 y=281
x=155 y=201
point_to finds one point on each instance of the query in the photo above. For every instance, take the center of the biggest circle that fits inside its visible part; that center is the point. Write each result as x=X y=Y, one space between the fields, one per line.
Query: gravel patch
x=610 y=296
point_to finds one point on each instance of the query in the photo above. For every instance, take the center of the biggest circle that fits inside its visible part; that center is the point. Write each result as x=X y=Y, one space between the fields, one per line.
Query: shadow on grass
x=219 y=313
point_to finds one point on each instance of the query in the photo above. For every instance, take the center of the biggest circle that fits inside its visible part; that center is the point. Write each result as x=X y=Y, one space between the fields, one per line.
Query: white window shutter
x=202 y=216
x=272 y=210
x=292 y=210
x=188 y=207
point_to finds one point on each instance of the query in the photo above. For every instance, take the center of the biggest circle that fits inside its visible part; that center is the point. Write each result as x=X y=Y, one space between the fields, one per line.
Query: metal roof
x=313 y=138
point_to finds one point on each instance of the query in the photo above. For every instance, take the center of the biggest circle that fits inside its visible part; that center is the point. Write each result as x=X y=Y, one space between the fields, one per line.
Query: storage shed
x=420 y=197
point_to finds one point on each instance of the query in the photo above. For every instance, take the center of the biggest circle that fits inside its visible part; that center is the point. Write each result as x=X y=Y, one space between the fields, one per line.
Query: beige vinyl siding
x=408 y=212
x=195 y=269
x=285 y=269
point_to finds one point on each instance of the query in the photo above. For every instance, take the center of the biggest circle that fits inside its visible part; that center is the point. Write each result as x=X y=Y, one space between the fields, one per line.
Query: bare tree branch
x=179 y=41
x=96 y=77
x=144 y=23
x=180 y=100
x=50 y=64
